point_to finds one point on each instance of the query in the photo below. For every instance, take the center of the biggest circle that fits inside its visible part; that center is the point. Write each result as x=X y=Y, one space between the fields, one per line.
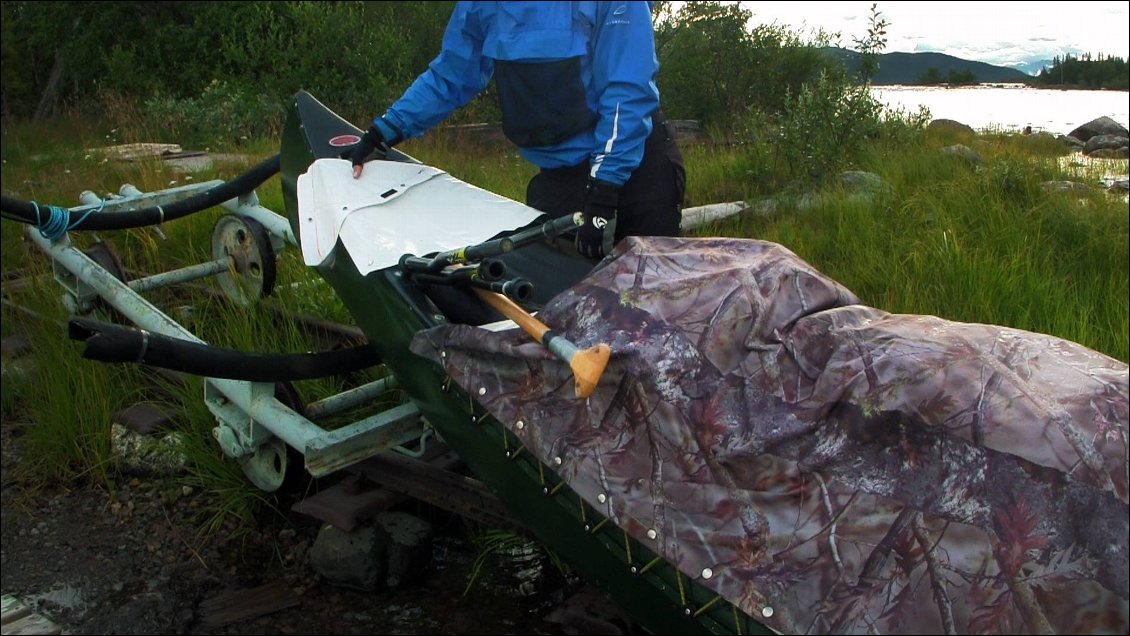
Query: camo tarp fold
x=854 y=470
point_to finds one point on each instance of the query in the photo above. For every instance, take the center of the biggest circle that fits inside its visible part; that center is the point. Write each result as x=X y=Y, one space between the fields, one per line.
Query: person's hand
x=596 y=236
x=370 y=141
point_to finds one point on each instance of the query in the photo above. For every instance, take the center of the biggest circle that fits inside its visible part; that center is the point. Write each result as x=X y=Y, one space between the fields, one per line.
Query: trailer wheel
x=275 y=466
x=251 y=274
x=266 y=468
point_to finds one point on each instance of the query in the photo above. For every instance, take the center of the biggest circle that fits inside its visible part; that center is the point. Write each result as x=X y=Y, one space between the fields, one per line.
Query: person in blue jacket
x=576 y=85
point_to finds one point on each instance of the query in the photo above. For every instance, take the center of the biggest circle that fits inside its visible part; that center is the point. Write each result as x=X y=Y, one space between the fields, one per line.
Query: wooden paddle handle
x=587 y=364
x=514 y=311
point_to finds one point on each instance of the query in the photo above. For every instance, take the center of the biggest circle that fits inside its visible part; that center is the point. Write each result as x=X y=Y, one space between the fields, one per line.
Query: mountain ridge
x=910 y=68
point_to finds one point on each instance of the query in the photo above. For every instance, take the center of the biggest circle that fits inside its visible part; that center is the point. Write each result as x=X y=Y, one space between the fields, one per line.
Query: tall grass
x=59 y=404
x=968 y=242
x=984 y=243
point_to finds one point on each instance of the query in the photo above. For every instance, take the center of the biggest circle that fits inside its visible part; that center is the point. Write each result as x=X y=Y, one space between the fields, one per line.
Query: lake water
x=1010 y=107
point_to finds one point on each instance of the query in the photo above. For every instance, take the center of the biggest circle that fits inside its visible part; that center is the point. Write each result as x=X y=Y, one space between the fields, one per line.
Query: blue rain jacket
x=576 y=81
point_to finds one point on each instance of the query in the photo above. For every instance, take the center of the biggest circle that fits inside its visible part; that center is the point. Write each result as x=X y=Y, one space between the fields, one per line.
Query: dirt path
x=132 y=562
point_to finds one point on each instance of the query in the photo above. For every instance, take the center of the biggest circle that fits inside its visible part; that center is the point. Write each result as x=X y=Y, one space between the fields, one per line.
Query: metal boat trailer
x=252 y=425
x=397 y=447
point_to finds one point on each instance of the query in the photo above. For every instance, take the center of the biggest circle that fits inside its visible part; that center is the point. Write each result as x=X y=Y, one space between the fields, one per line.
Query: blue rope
x=56 y=225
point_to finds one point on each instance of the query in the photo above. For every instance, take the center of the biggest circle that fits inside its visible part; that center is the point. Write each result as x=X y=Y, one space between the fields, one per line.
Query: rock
x=951 y=126
x=1042 y=136
x=161 y=454
x=354 y=559
x=1099 y=126
x=963 y=152
x=409 y=547
x=1073 y=143
x=1104 y=142
x=1066 y=187
x=1110 y=153
x=861 y=181
x=392 y=551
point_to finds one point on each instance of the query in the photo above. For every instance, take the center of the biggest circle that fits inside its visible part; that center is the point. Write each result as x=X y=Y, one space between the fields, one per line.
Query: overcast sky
x=1001 y=33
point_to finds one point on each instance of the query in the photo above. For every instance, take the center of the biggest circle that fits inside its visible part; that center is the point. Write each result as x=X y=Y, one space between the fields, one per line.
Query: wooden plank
x=12 y=609
x=355 y=500
x=133 y=151
x=445 y=489
x=345 y=506
x=19 y=620
x=241 y=605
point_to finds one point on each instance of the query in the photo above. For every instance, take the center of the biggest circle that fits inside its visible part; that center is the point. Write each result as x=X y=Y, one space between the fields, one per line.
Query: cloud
x=1023 y=54
x=1001 y=33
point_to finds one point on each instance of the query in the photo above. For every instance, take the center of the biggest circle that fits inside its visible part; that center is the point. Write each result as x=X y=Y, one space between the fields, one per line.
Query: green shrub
x=223 y=115
x=715 y=68
x=826 y=124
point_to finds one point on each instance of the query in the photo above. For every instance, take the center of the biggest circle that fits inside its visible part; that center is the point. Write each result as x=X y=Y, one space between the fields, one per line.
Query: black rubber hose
x=493 y=247
x=107 y=342
x=25 y=211
x=492 y=269
x=518 y=289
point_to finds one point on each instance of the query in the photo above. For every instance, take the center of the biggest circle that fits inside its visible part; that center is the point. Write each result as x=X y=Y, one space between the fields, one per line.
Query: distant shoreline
x=1014 y=85
x=1008 y=106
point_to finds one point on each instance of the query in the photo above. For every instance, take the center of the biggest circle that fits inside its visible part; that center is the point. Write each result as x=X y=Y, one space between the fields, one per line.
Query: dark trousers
x=651 y=202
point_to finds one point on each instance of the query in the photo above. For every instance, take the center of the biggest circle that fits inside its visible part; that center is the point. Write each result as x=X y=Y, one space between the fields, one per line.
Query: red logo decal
x=344 y=140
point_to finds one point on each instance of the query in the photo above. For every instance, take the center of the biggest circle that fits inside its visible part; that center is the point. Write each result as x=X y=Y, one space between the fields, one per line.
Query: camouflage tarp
x=854 y=470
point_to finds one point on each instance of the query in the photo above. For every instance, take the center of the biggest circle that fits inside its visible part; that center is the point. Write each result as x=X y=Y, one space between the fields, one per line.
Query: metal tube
x=245 y=205
x=183 y=275
x=248 y=205
x=269 y=413
x=352 y=398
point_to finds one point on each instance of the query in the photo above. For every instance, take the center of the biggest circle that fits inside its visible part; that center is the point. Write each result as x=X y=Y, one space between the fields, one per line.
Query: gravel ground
x=132 y=561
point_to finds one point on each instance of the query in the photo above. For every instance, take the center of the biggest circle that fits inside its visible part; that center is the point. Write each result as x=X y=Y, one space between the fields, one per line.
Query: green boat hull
x=391 y=313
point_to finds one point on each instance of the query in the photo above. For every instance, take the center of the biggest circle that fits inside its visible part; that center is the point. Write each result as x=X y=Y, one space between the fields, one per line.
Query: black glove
x=370 y=141
x=596 y=236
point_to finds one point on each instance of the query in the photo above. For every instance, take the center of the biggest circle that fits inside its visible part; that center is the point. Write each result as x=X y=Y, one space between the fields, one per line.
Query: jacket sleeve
x=453 y=78
x=624 y=66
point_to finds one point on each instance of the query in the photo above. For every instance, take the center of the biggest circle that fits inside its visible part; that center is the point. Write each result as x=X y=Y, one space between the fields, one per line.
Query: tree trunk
x=50 y=92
